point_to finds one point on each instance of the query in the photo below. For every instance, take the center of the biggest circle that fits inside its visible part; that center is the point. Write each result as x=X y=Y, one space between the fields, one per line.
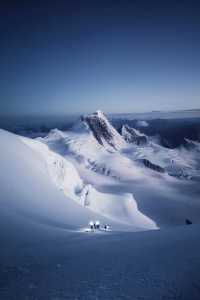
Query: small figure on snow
x=91 y=225
x=106 y=227
x=97 y=225
x=188 y=222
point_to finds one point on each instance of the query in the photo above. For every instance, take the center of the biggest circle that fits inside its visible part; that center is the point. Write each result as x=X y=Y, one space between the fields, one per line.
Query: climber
x=97 y=225
x=91 y=225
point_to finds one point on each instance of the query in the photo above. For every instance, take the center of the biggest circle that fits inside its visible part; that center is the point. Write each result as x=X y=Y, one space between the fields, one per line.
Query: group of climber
x=96 y=225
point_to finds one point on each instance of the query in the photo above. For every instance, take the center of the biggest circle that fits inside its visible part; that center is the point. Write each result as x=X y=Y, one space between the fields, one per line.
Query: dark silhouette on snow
x=147 y=163
x=188 y=222
x=97 y=225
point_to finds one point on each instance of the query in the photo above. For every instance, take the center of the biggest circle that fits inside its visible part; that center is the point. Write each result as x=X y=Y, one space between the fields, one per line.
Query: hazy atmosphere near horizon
x=66 y=57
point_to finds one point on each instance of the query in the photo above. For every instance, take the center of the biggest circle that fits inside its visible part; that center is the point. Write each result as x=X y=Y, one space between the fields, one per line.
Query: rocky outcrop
x=103 y=131
x=151 y=165
x=132 y=135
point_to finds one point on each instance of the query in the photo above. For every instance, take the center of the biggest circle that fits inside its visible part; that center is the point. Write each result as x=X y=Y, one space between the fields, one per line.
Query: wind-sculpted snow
x=120 y=208
x=62 y=172
x=28 y=189
x=49 y=189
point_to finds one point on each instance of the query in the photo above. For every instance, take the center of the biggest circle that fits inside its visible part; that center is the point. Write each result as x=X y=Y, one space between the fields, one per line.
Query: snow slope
x=48 y=186
x=82 y=147
x=64 y=266
x=142 y=171
x=122 y=208
x=179 y=162
x=44 y=203
x=28 y=190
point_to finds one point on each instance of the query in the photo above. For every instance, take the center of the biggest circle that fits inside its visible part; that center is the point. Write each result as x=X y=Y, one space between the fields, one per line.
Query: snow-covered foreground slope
x=57 y=264
x=28 y=191
x=44 y=186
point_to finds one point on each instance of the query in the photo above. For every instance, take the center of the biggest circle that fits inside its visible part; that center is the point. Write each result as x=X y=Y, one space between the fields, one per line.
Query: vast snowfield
x=53 y=186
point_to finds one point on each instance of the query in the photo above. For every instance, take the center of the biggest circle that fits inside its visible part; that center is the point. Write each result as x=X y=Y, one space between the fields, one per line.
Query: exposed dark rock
x=188 y=222
x=132 y=135
x=102 y=130
x=152 y=166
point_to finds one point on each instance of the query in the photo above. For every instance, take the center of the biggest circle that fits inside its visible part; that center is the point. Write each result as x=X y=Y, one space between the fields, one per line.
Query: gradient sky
x=64 y=57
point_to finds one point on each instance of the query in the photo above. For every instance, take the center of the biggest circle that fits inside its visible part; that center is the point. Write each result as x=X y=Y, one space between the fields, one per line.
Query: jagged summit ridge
x=103 y=131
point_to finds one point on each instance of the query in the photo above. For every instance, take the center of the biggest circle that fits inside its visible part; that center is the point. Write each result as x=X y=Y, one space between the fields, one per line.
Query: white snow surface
x=51 y=188
x=159 y=196
x=47 y=185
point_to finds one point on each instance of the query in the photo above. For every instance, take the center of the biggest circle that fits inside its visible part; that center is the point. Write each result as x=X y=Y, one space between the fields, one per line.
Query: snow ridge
x=121 y=208
x=132 y=135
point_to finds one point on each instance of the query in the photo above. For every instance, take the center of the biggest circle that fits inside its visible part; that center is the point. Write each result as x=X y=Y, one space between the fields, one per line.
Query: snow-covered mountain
x=132 y=135
x=102 y=155
x=52 y=187
x=96 y=145
x=81 y=162
x=103 y=131
x=49 y=184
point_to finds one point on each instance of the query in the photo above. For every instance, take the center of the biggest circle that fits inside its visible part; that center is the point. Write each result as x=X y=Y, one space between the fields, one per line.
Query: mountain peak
x=99 y=113
x=103 y=131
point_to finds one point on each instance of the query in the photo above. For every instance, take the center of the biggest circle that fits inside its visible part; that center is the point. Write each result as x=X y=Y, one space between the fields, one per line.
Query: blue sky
x=119 y=56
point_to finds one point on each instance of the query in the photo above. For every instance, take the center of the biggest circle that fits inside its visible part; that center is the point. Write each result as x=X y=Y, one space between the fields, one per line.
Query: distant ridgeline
x=171 y=132
x=35 y=126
